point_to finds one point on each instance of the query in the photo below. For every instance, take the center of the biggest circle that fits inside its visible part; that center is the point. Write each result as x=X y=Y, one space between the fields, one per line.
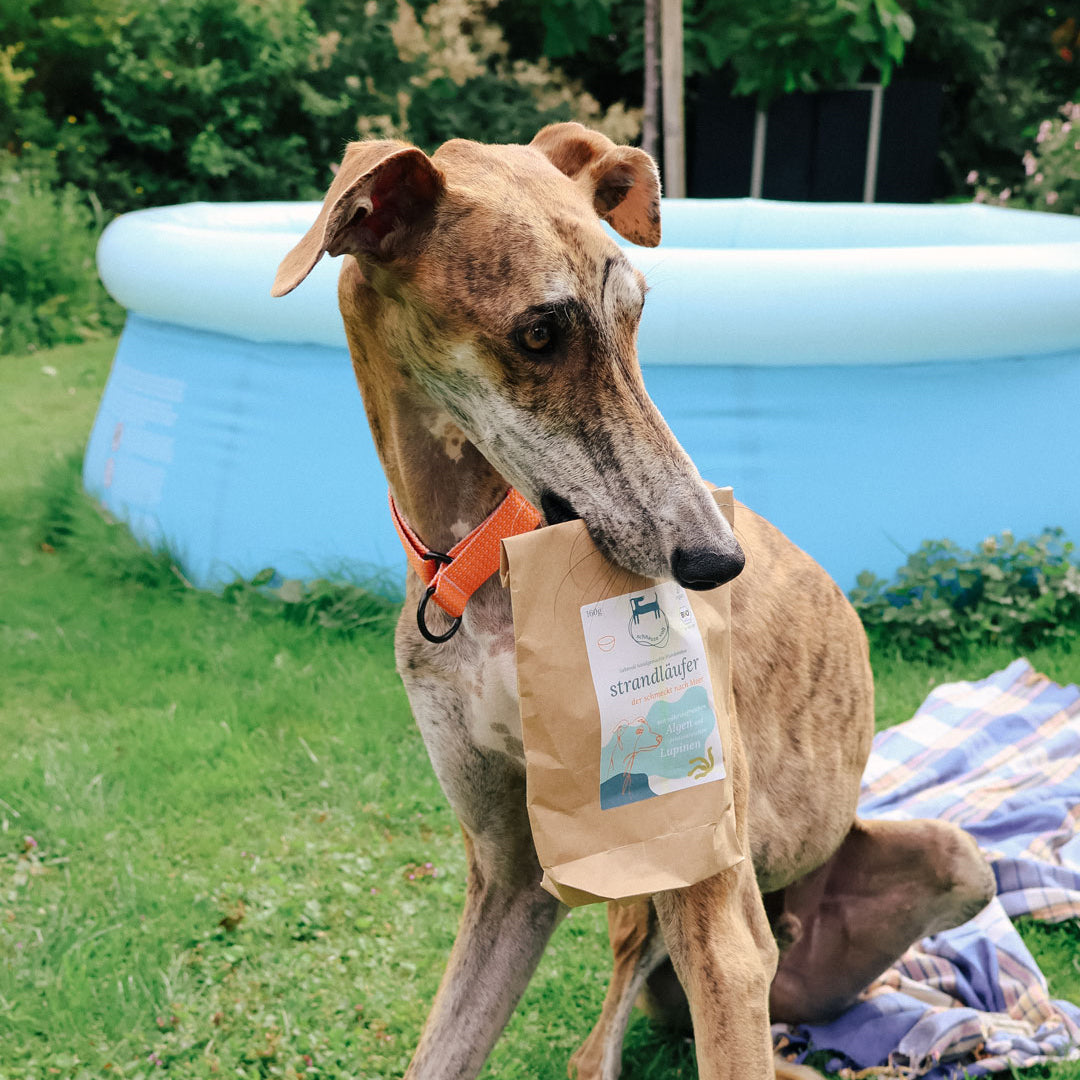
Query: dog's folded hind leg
x=889 y=884
x=504 y=929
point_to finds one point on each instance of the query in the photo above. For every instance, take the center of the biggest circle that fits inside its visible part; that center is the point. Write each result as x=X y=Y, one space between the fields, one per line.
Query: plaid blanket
x=1000 y=758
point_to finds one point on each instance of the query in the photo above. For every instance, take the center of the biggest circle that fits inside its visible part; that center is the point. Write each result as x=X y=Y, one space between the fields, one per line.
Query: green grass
x=222 y=848
x=49 y=403
x=901 y=686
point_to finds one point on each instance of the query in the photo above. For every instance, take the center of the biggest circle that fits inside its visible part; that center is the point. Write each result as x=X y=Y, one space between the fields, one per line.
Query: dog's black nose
x=703 y=568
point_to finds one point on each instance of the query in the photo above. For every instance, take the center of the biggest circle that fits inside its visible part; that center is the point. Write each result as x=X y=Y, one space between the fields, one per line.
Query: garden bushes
x=151 y=102
x=129 y=103
x=948 y=600
x=1051 y=179
x=144 y=102
x=49 y=288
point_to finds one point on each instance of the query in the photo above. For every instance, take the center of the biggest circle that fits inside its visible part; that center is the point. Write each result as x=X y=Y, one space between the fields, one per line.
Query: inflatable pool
x=865 y=376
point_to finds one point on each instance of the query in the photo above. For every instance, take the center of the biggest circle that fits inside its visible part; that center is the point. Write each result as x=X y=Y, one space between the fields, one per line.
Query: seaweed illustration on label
x=648 y=623
x=701 y=766
x=633 y=732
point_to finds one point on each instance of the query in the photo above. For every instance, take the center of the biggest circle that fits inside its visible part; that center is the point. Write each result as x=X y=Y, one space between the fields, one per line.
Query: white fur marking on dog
x=450 y=435
x=623 y=291
x=495 y=717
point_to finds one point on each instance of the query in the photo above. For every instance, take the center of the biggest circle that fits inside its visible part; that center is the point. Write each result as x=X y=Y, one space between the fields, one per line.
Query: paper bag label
x=657 y=715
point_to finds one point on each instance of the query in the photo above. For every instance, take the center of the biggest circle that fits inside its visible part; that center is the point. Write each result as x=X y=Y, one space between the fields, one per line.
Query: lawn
x=223 y=851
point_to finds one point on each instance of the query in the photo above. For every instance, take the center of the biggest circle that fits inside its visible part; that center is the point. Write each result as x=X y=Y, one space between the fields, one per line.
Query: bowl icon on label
x=606 y=643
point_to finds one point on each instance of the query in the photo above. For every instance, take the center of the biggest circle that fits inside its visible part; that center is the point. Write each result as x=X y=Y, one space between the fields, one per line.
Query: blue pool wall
x=866 y=377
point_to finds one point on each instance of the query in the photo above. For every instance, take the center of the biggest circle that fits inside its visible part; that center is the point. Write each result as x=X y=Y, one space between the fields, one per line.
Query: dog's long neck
x=442 y=484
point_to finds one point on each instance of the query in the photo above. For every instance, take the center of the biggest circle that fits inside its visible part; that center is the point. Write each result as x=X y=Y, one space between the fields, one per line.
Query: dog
x=638 y=607
x=492 y=326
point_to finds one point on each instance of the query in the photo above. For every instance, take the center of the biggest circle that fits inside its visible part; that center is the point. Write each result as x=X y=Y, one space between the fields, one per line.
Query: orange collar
x=453 y=577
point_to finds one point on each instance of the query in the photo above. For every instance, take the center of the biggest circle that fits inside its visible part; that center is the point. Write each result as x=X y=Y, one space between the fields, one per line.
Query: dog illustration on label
x=631 y=738
x=681 y=747
x=648 y=623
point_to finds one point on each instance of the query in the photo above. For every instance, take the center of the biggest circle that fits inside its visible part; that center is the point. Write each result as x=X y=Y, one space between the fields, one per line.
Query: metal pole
x=873 y=142
x=671 y=60
x=650 y=135
x=757 y=163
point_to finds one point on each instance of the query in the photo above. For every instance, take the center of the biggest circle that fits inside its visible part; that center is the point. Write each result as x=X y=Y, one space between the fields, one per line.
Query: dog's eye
x=537 y=337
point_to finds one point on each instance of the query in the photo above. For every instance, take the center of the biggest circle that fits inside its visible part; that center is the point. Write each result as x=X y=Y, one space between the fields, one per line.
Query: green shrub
x=781 y=46
x=147 y=102
x=46 y=79
x=769 y=48
x=946 y=599
x=428 y=72
x=1051 y=178
x=144 y=102
x=206 y=98
x=1005 y=66
x=49 y=288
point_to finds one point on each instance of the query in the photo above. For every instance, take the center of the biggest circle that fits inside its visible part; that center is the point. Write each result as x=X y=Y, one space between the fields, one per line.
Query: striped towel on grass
x=1001 y=759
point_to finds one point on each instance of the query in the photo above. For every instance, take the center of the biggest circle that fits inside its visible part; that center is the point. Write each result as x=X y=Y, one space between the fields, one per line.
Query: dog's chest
x=464 y=696
x=492 y=713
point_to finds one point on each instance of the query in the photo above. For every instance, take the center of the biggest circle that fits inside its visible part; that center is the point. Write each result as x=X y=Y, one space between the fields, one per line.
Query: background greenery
x=222 y=848
x=118 y=104
x=112 y=105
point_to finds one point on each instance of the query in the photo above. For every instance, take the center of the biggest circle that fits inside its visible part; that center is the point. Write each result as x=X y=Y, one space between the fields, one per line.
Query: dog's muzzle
x=693 y=568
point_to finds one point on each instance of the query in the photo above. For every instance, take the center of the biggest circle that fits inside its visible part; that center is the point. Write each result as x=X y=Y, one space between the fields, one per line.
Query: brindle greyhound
x=492 y=326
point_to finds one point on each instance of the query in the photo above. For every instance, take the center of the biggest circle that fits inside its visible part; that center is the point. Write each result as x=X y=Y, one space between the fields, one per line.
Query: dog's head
x=483 y=275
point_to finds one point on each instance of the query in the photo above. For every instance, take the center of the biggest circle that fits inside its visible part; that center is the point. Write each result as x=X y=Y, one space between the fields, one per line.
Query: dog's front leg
x=506 y=924
x=638 y=947
x=508 y=917
x=725 y=956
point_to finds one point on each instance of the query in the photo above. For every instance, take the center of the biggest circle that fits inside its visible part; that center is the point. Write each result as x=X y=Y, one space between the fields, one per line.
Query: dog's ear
x=378 y=206
x=622 y=181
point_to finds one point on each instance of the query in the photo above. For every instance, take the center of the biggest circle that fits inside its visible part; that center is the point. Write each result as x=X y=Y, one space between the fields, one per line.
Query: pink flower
x=973 y=177
x=1051 y=198
x=1030 y=164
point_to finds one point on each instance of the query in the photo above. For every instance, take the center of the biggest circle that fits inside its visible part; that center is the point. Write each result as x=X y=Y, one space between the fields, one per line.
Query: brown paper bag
x=626 y=727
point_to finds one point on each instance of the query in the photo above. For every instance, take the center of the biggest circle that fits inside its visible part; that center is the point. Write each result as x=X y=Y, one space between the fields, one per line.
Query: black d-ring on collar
x=421 y=608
